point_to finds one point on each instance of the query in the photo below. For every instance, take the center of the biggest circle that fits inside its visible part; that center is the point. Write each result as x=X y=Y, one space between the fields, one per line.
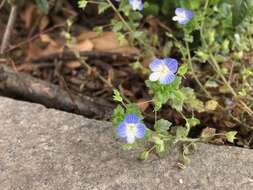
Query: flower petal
x=136 y=4
x=172 y=64
x=131 y=119
x=154 y=76
x=183 y=21
x=167 y=79
x=121 y=130
x=179 y=11
x=189 y=14
x=141 y=130
x=175 y=18
x=183 y=16
x=130 y=138
x=155 y=64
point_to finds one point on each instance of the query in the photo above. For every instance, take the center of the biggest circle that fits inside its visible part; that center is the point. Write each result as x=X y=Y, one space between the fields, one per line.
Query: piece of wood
x=32 y=89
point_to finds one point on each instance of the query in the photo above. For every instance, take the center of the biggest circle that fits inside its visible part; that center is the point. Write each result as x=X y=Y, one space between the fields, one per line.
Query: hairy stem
x=7 y=33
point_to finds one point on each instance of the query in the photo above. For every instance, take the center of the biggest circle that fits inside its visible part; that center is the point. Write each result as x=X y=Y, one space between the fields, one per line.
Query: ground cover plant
x=179 y=72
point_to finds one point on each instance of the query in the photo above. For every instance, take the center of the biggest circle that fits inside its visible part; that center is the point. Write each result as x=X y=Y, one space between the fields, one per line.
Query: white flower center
x=182 y=15
x=135 y=4
x=163 y=70
x=131 y=129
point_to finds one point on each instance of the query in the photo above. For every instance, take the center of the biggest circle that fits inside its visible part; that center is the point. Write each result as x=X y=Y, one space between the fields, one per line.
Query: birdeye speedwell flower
x=183 y=16
x=163 y=70
x=136 y=4
x=131 y=128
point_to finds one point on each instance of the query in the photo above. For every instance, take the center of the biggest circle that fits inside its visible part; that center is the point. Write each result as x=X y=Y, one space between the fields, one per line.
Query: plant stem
x=193 y=72
x=202 y=24
x=7 y=33
x=216 y=66
x=218 y=69
x=149 y=48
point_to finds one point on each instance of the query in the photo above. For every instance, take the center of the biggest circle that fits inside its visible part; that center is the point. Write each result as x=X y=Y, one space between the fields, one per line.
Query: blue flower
x=131 y=128
x=183 y=16
x=136 y=4
x=163 y=70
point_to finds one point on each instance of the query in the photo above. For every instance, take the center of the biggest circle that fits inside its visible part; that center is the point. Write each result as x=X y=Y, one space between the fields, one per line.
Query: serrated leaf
x=192 y=102
x=43 y=5
x=230 y=136
x=182 y=69
x=162 y=93
x=116 y=96
x=118 y=115
x=82 y=4
x=162 y=126
x=144 y=155
x=177 y=99
x=159 y=144
x=192 y=122
x=181 y=132
x=102 y=7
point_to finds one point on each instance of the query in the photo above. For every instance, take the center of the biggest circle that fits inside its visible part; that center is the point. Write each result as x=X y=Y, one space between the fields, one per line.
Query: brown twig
x=36 y=90
x=7 y=33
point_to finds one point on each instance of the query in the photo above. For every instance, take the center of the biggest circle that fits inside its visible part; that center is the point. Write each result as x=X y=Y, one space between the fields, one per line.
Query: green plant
x=209 y=38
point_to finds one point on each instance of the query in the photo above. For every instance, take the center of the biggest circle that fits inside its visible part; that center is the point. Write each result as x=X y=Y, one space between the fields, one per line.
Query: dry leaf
x=224 y=90
x=211 y=105
x=73 y=65
x=35 y=53
x=146 y=61
x=47 y=39
x=108 y=42
x=85 y=45
x=27 y=15
x=208 y=132
x=143 y=104
x=43 y=23
x=110 y=77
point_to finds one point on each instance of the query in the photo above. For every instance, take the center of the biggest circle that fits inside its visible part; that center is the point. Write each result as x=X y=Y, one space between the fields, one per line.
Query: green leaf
x=177 y=99
x=211 y=83
x=151 y=9
x=239 y=11
x=130 y=146
x=102 y=6
x=230 y=136
x=192 y=122
x=133 y=109
x=118 y=115
x=163 y=93
x=182 y=69
x=162 y=126
x=43 y=5
x=191 y=101
x=98 y=29
x=116 y=96
x=181 y=132
x=82 y=4
x=159 y=144
x=144 y=155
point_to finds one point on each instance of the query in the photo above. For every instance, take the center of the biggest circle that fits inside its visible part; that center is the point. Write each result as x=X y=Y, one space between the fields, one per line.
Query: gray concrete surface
x=46 y=149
